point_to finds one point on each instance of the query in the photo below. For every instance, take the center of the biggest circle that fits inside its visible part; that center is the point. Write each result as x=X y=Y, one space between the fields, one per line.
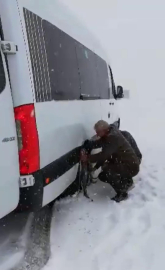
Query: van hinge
x=26 y=181
x=8 y=47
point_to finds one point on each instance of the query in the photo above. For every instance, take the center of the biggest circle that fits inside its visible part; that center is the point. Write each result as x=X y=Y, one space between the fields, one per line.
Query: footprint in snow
x=152 y=176
x=145 y=219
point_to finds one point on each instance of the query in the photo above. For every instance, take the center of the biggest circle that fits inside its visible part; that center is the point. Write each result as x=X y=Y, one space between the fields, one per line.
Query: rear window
x=2 y=75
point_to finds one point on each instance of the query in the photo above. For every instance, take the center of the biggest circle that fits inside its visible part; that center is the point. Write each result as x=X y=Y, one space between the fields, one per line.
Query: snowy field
x=103 y=235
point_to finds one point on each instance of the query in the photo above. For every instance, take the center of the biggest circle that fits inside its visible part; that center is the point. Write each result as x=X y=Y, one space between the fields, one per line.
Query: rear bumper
x=31 y=198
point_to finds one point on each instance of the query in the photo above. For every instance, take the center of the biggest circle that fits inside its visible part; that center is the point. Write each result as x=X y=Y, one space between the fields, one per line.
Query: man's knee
x=134 y=170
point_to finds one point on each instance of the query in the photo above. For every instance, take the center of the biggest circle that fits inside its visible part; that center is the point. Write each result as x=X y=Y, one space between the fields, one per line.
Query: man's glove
x=86 y=146
x=86 y=143
x=92 y=169
x=83 y=156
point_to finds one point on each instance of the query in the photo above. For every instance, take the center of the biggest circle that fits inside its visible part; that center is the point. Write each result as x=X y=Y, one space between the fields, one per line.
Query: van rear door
x=9 y=164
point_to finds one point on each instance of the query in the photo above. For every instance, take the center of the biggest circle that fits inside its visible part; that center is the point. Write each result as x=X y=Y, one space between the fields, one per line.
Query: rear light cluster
x=28 y=143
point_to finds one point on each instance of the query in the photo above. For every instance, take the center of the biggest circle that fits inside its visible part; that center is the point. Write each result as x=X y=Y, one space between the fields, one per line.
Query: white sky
x=133 y=33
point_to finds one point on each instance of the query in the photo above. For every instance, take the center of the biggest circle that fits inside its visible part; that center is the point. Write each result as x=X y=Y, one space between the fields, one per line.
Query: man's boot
x=120 y=197
x=129 y=185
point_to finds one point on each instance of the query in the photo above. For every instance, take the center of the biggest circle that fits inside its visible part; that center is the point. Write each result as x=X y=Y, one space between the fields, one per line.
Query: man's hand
x=83 y=156
x=92 y=169
x=86 y=146
x=86 y=143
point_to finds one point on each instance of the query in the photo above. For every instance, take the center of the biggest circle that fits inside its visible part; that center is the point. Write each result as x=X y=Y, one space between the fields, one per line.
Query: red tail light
x=28 y=143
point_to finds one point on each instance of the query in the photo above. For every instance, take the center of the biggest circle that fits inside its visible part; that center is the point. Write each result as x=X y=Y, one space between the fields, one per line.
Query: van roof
x=60 y=15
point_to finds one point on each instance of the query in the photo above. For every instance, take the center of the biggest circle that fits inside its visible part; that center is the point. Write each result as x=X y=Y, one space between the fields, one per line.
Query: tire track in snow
x=38 y=248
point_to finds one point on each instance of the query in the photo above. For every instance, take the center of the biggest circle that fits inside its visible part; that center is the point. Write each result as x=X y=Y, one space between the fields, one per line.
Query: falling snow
x=104 y=235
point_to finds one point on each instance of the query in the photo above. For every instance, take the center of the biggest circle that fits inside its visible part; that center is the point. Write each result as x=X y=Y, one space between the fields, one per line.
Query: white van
x=55 y=83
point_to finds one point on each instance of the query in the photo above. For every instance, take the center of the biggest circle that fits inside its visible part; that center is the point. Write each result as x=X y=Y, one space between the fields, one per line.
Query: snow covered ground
x=24 y=240
x=103 y=235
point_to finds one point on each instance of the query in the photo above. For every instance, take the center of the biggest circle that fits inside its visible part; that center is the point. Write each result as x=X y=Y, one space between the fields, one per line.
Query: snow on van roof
x=59 y=15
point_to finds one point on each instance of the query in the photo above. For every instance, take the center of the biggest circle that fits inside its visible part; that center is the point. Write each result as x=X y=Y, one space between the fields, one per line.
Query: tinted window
x=2 y=75
x=102 y=78
x=63 y=68
x=62 y=62
x=87 y=71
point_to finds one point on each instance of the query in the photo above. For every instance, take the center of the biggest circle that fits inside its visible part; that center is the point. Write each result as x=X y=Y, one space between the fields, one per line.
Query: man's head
x=101 y=128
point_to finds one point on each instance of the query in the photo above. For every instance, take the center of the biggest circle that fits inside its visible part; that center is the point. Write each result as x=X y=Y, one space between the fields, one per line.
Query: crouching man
x=117 y=158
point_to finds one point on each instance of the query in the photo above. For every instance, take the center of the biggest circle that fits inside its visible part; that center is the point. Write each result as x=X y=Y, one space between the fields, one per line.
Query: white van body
x=57 y=62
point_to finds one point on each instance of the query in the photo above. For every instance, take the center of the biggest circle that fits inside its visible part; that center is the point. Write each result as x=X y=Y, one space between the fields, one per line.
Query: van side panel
x=57 y=187
x=62 y=126
x=60 y=65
